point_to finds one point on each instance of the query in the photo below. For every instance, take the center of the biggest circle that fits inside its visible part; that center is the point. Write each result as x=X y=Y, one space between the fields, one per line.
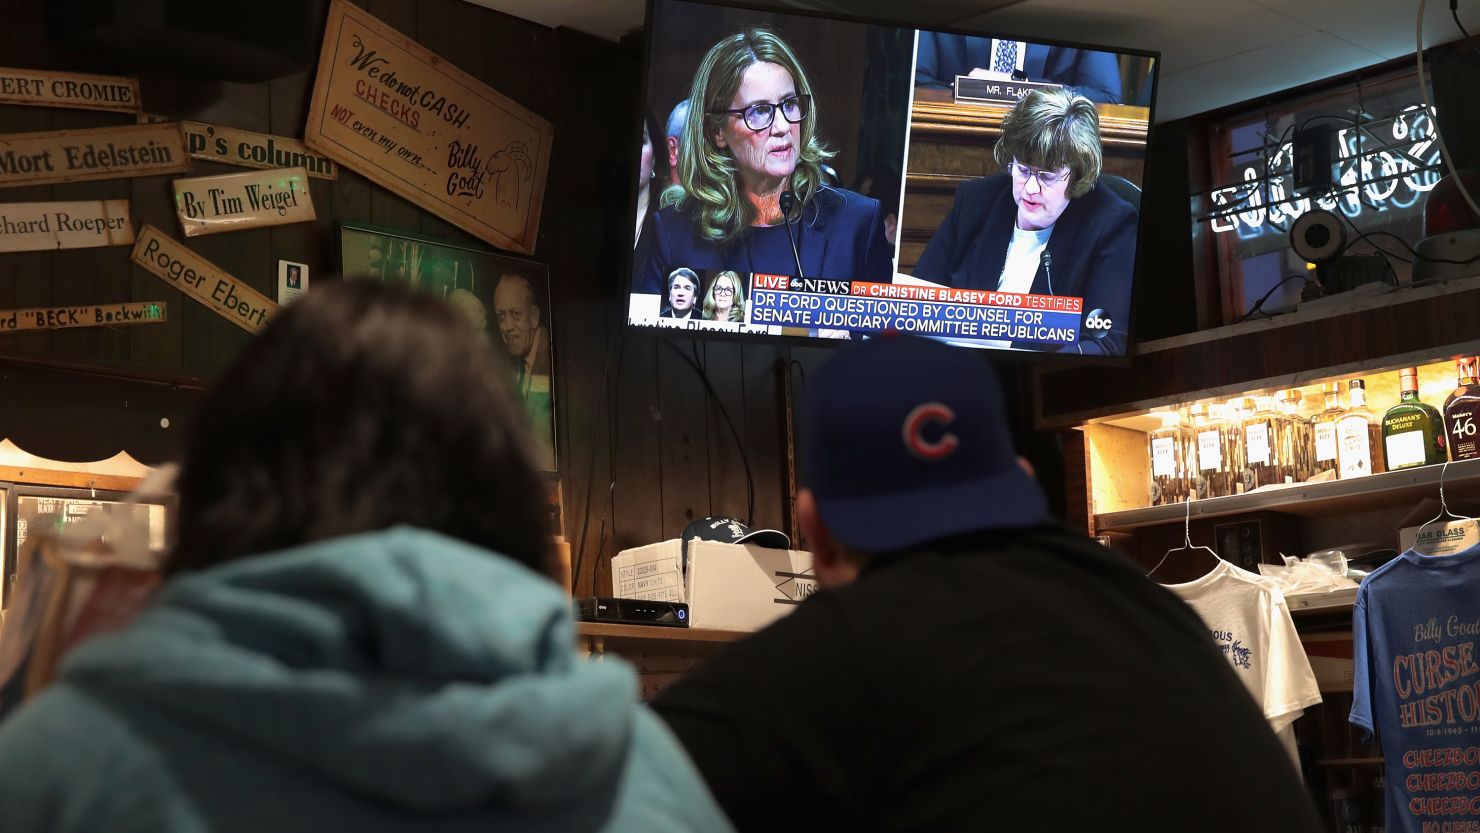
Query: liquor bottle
x=1302 y=439
x=1412 y=431
x=1266 y=444
x=1220 y=452
x=1323 y=430
x=1171 y=460
x=1358 y=437
x=1460 y=412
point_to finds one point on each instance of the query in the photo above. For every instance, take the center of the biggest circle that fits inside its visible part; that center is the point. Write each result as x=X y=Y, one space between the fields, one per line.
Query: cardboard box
x=727 y=586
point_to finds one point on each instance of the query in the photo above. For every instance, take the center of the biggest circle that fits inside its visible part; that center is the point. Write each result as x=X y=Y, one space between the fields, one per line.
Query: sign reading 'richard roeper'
x=411 y=122
x=95 y=153
x=202 y=280
x=46 y=226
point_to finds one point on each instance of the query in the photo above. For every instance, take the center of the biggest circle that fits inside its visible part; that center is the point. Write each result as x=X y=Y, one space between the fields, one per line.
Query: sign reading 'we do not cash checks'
x=411 y=122
x=202 y=280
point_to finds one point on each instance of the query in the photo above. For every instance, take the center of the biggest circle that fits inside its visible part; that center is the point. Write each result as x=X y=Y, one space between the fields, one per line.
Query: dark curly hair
x=360 y=407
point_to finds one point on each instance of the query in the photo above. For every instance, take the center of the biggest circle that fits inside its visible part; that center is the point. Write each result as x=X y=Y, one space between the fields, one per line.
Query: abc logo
x=1098 y=323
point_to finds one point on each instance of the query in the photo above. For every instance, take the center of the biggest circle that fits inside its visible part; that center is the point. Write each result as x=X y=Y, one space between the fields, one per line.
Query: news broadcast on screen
x=819 y=178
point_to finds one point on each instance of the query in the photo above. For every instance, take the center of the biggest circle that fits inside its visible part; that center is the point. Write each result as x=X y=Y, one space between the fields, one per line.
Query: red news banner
x=927 y=310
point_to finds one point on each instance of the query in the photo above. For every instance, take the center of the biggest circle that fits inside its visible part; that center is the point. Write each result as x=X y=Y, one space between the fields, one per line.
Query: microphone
x=788 y=200
x=1047 y=260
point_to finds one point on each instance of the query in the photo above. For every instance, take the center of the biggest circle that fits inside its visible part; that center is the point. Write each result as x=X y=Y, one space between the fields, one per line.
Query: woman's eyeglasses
x=1046 y=179
x=724 y=290
x=761 y=115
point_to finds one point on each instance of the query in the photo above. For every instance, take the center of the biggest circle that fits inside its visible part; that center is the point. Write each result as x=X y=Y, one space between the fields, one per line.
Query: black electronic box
x=632 y=612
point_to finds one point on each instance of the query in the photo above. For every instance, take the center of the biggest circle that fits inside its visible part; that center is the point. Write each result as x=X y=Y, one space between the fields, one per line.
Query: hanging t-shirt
x=1250 y=623
x=1416 y=641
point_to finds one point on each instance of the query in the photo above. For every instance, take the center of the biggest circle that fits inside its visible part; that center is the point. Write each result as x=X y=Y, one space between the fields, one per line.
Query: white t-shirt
x=1249 y=621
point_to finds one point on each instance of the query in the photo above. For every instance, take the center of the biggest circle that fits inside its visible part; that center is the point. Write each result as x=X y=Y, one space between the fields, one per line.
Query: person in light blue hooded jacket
x=359 y=632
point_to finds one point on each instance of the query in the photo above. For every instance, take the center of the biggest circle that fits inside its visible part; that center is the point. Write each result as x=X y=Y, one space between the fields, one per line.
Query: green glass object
x=1412 y=431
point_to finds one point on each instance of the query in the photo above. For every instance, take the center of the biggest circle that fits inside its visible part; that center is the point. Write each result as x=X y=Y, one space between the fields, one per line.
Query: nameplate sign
x=72 y=90
x=411 y=122
x=101 y=315
x=202 y=280
x=231 y=202
x=246 y=149
x=992 y=91
x=45 y=226
x=94 y=153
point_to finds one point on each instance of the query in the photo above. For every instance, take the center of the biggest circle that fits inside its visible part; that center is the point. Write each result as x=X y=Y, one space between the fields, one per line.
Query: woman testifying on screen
x=750 y=137
x=1046 y=225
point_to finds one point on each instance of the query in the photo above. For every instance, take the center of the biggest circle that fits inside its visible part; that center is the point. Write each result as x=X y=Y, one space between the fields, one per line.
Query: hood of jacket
x=402 y=665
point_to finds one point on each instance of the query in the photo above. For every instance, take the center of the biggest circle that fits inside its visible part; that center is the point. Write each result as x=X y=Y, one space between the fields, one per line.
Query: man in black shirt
x=969 y=664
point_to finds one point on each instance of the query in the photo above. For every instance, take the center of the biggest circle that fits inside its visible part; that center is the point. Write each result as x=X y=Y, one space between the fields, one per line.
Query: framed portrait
x=506 y=297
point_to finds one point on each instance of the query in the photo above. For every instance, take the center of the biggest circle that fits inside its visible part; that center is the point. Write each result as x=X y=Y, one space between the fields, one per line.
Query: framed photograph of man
x=506 y=297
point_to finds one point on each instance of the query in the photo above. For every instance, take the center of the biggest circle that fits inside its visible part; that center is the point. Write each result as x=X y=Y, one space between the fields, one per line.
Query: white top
x=1250 y=623
x=1024 y=254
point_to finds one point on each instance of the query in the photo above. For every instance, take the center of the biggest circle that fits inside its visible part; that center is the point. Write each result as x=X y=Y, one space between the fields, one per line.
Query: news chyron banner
x=936 y=311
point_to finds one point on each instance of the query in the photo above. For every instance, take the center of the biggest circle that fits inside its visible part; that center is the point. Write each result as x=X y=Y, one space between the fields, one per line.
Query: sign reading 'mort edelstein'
x=95 y=153
x=202 y=280
x=210 y=204
x=413 y=123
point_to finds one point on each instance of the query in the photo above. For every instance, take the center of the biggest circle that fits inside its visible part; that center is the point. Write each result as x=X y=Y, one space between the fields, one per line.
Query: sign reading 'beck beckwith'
x=96 y=315
x=202 y=280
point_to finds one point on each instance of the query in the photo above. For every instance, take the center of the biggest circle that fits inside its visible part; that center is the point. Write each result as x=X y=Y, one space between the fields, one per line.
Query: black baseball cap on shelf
x=731 y=531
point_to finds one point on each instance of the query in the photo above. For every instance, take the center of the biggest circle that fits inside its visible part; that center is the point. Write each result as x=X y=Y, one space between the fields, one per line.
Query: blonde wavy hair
x=737 y=311
x=708 y=188
x=1052 y=129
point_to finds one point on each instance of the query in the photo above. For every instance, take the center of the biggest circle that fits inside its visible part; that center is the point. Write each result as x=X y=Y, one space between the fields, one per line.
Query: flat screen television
x=809 y=177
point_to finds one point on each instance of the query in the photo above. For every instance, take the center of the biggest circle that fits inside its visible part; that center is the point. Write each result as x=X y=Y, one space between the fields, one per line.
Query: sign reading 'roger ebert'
x=202 y=280
x=409 y=121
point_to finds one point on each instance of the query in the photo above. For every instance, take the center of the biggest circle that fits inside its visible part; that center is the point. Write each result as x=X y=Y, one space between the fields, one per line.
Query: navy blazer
x=840 y=235
x=1094 y=75
x=1092 y=254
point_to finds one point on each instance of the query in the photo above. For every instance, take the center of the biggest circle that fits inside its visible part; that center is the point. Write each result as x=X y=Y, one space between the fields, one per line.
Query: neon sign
x=1391 y=178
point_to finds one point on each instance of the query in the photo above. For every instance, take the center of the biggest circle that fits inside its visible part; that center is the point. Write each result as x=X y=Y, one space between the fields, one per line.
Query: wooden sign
x=103 y=315
x=202 y=280
x=254 y=150
x=94 y=153
x=231 y=202
x=45 y=226
x=411 y=122
x=72 y=90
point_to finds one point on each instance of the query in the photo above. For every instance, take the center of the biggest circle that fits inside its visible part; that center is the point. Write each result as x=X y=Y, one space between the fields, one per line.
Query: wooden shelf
x=1310 y=499
x=654 y=633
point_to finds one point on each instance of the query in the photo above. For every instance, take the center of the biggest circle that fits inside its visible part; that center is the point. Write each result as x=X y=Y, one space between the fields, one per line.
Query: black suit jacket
x=1092 y=254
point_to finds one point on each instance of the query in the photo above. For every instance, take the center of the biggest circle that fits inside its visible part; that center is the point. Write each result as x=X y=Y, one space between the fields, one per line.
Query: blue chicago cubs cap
x=905 y=440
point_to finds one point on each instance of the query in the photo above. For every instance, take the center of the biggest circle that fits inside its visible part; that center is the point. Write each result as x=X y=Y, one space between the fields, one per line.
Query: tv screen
x=817 y=178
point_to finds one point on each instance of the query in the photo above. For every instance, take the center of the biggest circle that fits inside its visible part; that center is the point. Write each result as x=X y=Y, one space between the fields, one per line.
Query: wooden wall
x=635 y=467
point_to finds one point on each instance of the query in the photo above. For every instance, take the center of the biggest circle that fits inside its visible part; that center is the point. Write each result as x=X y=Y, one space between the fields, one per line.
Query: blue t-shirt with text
x=1416 y=640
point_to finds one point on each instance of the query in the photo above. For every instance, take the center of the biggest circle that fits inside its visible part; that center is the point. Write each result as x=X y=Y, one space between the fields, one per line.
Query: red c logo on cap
x=914 y=428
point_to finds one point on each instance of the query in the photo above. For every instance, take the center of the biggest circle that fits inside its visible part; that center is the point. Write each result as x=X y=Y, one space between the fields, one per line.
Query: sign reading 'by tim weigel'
x=98 y=315
x=202 y=280
x=95 y=153
x=211 y=204
x=43 y=88
x=45 y=226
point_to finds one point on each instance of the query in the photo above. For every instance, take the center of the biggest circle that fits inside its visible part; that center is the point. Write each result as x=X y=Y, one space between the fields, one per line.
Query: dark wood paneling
x=633 y=471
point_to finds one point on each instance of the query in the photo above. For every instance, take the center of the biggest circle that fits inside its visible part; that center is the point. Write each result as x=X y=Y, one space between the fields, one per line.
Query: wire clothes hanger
x=1444 y=510
x=1187 y=545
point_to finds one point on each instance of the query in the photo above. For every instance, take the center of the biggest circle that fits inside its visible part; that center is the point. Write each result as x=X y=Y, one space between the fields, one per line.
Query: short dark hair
x=361 y=406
